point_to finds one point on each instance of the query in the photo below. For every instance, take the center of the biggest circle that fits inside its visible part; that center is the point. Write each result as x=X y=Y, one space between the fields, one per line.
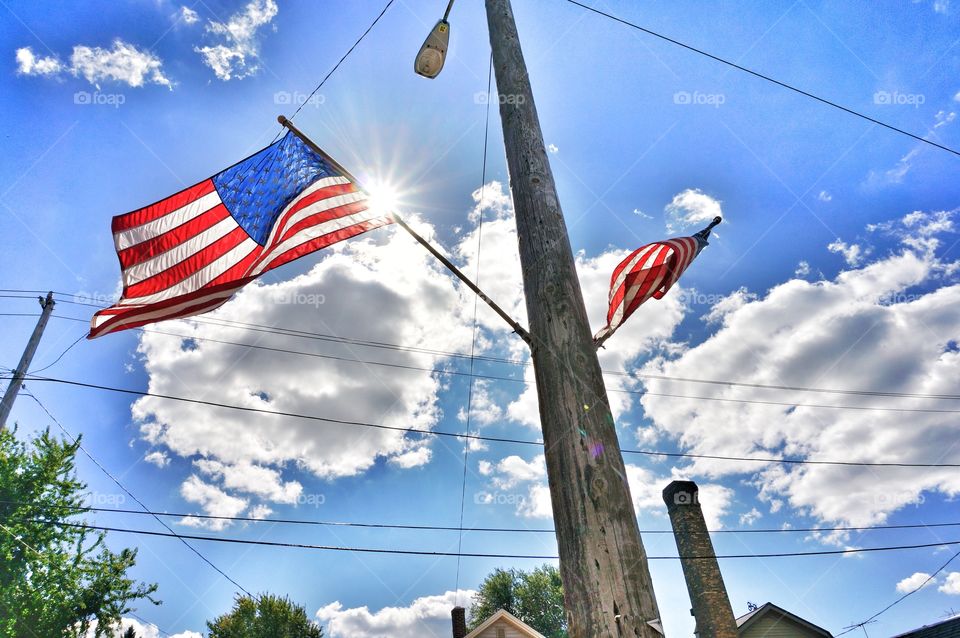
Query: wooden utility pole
x=17 y=381
x=608 y=591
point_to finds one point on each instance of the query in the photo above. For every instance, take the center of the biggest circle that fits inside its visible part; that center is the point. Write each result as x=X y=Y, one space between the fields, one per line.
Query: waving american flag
x=189 y=253
x=649 y=271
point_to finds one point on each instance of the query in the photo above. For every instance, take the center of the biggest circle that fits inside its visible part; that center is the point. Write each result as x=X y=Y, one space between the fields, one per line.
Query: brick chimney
x=708 y=594
x=459 y=616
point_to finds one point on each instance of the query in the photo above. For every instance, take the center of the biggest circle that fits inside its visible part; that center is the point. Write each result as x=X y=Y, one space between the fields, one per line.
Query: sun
x=383 y=197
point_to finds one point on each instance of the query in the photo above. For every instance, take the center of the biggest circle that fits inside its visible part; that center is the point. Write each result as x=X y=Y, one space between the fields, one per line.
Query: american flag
x=649 y=271
x=189 y=253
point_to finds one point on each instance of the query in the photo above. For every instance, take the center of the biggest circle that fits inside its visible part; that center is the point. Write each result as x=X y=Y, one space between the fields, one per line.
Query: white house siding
x=509 y=631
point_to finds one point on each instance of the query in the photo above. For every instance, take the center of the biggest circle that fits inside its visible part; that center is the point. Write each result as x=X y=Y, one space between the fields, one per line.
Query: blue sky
x=836 y=268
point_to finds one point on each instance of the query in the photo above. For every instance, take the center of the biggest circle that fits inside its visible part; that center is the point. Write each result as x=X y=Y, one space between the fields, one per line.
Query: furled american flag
x=649 y=271
x=189 y=253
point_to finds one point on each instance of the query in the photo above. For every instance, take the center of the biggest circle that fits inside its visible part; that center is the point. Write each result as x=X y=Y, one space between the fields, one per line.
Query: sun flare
x=383 y=197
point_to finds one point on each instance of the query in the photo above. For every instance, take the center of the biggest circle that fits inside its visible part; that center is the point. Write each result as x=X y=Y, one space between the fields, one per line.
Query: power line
x=41 y=555
x=654 y=453
x=341 y=60
x=899 y=600
x=868 y=408
x=764 y=77
x=476 y=301
x=378 y=344
x=619 y=391
x=473 y=374
x=401 y=348
x=442 y=528
x=411 y=552
x=113 y=478
x=62 y=354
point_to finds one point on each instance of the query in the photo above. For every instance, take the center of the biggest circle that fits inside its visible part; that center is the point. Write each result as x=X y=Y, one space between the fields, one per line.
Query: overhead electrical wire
x=79 y=509
x=412 y=552
x=762 y=76
x=476 y=302
x=616 y=390
x=654 y=453
x=41 y=555
x=401 y=348
x=341 y=60
x=60 y=356
x=899 y=600
x=791 y=404
x=134 y=497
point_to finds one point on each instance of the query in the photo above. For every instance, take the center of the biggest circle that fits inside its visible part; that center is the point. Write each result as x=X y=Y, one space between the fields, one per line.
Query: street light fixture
x=433 y=53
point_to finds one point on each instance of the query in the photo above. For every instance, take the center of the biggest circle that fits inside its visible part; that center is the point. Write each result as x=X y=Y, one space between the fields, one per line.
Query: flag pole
x=520 y=330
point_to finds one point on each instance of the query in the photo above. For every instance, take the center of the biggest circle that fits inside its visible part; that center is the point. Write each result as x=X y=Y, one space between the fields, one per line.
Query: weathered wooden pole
x=607 y=586
x=17 y=381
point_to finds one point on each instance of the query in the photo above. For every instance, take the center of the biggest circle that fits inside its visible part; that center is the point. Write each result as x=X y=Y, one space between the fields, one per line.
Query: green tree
x=535 y=597
x=55 y=580
x=264 y=617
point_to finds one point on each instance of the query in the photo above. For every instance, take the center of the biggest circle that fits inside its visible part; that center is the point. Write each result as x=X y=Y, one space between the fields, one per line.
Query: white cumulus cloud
x=250 y=456
x=158 y=458
x=889 y=324
x=951 y=584
x=123 y=63
x=910 y=583
x=425 y=616
x=853 y=254
x=691 y=207
x=28 y=63
x=189 y=16
x=238 y=54
x=142 y=630
x=213 y=501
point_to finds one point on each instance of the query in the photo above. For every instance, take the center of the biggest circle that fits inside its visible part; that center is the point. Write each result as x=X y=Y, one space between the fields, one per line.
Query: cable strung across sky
x=477 y=437
x=413 y=552
x=400 y=348
x=442 y=528
x=764 y=77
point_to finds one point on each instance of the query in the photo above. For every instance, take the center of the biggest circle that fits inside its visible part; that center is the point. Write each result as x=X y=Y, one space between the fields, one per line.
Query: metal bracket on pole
x=520 y=330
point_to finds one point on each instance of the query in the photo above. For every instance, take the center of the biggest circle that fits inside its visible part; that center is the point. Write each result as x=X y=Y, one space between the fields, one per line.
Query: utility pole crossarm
x=21 y=371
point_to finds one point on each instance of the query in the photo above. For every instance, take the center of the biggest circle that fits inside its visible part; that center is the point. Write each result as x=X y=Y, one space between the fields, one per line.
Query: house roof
x=744 y=622
x=506 y=616
x=949 y=628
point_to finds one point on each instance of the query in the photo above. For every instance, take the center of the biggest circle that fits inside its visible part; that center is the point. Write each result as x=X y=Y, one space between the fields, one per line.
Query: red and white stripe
x=186 y=254
x=649 y=271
